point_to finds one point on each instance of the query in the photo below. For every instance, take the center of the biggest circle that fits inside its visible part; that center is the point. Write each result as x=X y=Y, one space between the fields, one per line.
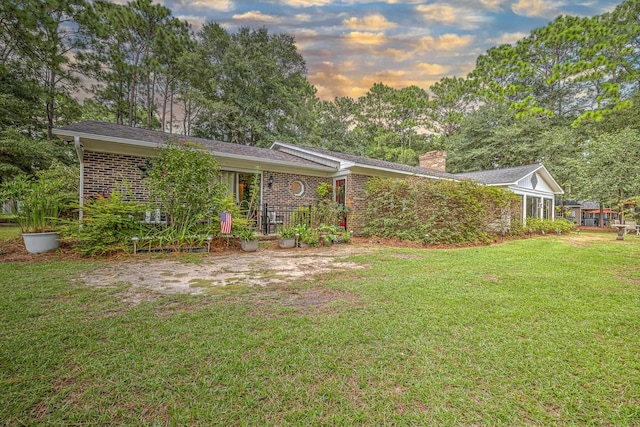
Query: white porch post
x=553 y=209
x=541 y=208
x=524 y=209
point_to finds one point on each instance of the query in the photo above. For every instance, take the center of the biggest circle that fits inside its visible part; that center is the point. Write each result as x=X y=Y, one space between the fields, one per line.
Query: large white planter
x=287 y=243
x=37 y=243
x=249 y=246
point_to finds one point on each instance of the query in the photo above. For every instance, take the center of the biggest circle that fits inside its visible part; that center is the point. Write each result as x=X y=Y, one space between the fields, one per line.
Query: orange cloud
x=256 y=15
x=455 y=16
x=445 y=42
x=219 y=5
x=371 y=22
x=398 y=54
x=365 y=38
x=492 y=4
x=508 y=38
x=432 y=68
x=305 y=3
x=541 y=8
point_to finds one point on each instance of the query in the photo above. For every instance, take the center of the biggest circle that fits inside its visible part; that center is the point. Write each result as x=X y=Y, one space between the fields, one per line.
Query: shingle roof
x=366 y=161
x=113 y=130
x=500 y=176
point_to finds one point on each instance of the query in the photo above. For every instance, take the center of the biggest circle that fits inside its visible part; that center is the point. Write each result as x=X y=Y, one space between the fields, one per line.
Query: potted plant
x=248 y=239
x=310 y=238
x=286 y=237
x=38 y=203
x=328 y=234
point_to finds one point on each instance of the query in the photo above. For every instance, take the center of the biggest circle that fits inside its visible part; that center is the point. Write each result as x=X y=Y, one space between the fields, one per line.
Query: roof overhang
x=134 y=147
x=344 y=165
x=555 y=187
x=323 y=159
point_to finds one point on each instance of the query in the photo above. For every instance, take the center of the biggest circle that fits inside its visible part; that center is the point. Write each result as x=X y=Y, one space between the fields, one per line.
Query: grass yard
x=542 y=331
x=9 y=231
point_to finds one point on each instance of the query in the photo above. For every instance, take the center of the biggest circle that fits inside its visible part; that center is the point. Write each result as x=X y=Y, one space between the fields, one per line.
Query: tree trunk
x=601 y=219
x=171 y=112
x=50 y=105
x=164 y=107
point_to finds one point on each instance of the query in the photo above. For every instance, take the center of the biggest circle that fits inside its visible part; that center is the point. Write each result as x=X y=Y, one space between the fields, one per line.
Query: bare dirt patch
x=583 y=239
x=211 y=274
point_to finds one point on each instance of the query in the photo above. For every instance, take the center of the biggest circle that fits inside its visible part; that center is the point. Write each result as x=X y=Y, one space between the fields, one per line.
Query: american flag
x=225 y=222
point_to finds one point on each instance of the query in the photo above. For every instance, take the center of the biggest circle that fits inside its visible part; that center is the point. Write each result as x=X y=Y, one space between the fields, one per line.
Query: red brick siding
x=356 y=201
x=102 y=171
x=280 y=195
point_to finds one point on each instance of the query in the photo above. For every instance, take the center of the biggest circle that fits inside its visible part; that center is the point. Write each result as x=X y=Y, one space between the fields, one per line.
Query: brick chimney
x=434 y=160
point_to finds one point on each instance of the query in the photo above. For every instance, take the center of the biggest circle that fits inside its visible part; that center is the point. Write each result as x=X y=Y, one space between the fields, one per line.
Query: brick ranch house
x=290 y=174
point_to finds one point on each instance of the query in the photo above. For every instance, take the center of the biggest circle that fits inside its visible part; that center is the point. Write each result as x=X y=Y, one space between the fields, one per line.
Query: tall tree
x=612 y=168
x=133 y=51
x=252 y=84
x=38 y=38
x=453 y=98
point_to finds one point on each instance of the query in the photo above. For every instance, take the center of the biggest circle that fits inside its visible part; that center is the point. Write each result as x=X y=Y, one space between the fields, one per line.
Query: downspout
x=80 y=152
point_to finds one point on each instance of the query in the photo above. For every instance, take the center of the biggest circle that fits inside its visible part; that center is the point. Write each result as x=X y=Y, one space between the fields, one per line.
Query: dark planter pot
x=249 y=246
x=287 y=243
x=38 y=243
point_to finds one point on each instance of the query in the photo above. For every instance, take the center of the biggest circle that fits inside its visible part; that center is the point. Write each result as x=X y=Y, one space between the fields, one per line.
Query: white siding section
x=541 y=184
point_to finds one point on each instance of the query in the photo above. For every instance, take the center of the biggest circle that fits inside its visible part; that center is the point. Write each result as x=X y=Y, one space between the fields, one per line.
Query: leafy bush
x=329 y=233
x=184 y=180
x=286 y=232
x=311 y=238
x=39 y=202
x=247 y=234
x=108 y=224
x=446 y=211
x=538 y=225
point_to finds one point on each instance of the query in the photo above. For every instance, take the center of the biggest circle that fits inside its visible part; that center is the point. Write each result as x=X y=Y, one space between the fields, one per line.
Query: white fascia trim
x=530 y=192
x=553 y=181
x=363 y=166
x=147 y=144
x=343 y=164
x=547 y=174
x=125 y=141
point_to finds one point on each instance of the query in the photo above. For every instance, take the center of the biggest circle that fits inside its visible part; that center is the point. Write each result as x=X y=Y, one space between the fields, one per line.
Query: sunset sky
x=349 y=45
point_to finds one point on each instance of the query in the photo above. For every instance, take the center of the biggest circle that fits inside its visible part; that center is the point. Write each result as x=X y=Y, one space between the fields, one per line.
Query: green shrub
x=184 y=180
x=446 y=211
x=247 y=234
x=286 y=232
x=548 y=226
x=39 y=202
x=108 y=224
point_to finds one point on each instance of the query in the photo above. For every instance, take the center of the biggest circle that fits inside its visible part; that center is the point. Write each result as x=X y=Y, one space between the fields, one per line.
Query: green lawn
x=9 y=231
x=542 y=331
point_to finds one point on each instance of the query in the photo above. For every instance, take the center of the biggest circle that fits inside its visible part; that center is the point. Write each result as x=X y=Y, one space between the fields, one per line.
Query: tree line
x=565 y=95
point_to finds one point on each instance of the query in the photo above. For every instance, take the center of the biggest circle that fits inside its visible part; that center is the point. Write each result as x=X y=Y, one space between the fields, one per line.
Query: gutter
x=80 y=152
x=346 y=165
x=138 y=143
x=401 y=172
